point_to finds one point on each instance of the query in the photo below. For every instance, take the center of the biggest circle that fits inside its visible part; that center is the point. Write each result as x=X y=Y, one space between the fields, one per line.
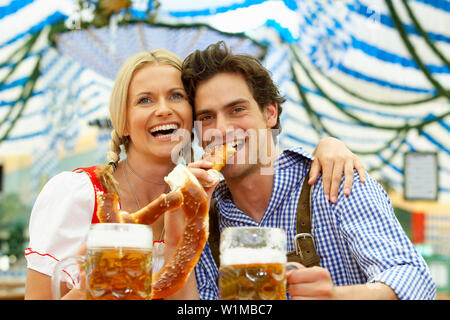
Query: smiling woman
x=150 y=113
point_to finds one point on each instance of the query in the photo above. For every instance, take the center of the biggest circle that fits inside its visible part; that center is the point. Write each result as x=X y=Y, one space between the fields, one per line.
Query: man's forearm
x=368 y=291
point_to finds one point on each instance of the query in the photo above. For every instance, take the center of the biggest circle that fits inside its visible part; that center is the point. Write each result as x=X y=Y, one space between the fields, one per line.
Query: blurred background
x=374 y=74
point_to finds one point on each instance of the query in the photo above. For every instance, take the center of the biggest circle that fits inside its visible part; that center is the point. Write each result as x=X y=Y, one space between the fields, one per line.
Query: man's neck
x=252 y=193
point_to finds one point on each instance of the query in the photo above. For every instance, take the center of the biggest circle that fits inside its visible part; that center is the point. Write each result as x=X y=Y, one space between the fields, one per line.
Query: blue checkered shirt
x=359 y=239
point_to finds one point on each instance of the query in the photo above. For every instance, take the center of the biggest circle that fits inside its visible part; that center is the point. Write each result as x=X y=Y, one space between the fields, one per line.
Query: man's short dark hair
x=202 y=65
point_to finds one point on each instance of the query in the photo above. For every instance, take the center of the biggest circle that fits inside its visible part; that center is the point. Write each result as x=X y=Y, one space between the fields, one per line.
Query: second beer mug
x=252 y=264
x=117 y=264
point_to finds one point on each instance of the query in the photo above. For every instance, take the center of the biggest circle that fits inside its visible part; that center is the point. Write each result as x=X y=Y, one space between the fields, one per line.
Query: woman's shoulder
x=67 y=180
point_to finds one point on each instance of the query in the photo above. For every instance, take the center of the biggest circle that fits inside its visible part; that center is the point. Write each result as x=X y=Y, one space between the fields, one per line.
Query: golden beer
x=123 y=274
x=252 y=264
x=118 y=264
x=258 y=281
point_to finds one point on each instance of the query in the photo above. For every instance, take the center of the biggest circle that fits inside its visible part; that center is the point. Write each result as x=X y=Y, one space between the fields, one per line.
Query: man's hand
x=309 y=283
x=315 y=284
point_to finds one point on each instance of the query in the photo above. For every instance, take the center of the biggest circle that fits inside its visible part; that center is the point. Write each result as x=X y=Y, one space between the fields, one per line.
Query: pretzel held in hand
x=188 y=195
x=108 y=209
x=218 y=156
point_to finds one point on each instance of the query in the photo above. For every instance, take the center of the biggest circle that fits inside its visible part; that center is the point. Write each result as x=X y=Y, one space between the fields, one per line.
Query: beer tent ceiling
x=375 y=74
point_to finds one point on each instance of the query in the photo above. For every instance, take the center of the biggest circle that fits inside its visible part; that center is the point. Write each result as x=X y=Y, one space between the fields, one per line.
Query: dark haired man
x=364 y=253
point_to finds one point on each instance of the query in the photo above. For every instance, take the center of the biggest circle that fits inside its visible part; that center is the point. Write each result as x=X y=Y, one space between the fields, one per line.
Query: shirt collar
x=291 y=156
x=286 y=159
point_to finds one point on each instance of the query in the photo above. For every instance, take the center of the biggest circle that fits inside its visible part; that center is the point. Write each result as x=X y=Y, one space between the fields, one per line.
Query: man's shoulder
x=298 y=152
x=293 y=156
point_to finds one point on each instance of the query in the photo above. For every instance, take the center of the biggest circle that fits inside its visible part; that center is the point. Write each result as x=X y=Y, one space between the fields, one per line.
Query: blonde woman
x=148 y=108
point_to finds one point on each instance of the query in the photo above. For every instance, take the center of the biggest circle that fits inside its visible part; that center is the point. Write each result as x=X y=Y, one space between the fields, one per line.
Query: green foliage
x=14 y=217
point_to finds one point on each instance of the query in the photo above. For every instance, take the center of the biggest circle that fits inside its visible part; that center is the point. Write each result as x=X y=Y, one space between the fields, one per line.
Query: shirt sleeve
x=379 y=244
x=60 y=220
x=206 y=273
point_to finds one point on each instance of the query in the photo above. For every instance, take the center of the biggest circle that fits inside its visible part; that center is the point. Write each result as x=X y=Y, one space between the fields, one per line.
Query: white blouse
x=60 y=221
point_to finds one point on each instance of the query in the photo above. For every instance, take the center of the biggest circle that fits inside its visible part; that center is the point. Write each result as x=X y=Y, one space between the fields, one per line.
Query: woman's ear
x=125 y=132
x=271 y=114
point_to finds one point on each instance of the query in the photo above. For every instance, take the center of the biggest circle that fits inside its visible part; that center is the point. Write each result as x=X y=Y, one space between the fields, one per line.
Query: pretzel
x=218 y=156
x=189 y=248
x=186 y=193
x=108 y=209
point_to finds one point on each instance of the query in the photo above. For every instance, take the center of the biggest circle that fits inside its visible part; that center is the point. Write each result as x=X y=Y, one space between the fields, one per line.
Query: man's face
x=227 y=113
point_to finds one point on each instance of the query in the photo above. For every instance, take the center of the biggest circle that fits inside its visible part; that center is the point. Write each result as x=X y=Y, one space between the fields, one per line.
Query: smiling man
x=363 y=251
x=227 y=108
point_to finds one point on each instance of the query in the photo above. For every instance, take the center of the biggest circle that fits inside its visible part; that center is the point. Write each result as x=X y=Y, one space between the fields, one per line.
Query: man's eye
x=205 y=118
x=238 y=109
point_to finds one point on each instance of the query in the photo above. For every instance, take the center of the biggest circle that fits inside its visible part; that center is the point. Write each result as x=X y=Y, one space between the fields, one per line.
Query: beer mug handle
x=68 y=272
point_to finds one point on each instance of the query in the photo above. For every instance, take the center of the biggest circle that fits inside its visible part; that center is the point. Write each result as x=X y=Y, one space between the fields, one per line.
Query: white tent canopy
x=347 y=68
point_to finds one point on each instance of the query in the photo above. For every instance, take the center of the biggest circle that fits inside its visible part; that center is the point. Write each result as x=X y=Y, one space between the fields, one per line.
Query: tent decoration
x=374 y=74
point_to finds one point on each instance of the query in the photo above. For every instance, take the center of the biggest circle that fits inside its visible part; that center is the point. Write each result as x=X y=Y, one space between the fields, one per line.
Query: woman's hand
x=78 y=292
x=333 y=158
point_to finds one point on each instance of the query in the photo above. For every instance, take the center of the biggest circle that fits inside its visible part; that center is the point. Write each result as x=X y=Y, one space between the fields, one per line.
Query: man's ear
x=271 y=114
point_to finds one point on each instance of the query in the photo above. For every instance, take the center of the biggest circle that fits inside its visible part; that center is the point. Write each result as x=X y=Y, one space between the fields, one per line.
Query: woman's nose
x=163 y=108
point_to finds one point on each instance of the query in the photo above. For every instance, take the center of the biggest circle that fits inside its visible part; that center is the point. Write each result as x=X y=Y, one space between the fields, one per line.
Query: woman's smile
x=164 y=131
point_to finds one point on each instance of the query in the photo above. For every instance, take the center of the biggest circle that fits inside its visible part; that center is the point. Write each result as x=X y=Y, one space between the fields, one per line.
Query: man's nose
x=224 y=126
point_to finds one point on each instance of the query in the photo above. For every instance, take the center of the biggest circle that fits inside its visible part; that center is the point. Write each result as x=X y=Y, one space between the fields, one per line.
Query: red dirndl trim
x=91 y=172
x=29 y=251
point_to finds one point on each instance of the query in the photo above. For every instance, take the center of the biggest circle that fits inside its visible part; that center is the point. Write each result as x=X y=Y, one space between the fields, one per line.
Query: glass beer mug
x=252 y=264
x=117 y=264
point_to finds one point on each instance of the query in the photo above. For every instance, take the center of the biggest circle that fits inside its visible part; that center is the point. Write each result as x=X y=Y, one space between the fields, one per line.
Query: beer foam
x=114 y=235
x=234 y=256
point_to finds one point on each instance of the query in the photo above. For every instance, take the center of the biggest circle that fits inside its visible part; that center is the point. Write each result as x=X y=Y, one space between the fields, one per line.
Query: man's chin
x=234 y=171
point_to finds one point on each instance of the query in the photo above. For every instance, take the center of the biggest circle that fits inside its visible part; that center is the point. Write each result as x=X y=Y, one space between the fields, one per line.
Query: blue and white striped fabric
x=358 y=239
x=352 y=44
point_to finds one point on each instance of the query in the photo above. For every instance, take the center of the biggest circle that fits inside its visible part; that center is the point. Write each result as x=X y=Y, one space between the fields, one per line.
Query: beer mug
x=252 y=264
x=117 y=265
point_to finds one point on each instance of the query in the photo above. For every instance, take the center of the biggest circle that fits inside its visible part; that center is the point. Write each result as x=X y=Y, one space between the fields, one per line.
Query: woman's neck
x=148 y=167
x=141 y=180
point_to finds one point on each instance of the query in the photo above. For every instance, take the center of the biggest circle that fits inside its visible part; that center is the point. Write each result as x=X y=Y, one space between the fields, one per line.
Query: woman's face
x=158 y=111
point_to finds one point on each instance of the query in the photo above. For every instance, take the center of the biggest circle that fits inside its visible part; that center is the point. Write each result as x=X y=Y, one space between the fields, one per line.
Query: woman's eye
x=144 y=100
x=177 y=96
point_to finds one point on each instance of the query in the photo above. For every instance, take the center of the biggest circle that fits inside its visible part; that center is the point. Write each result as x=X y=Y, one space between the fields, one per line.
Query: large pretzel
x=186 y=193
x=190 y=195
x=108 y=210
